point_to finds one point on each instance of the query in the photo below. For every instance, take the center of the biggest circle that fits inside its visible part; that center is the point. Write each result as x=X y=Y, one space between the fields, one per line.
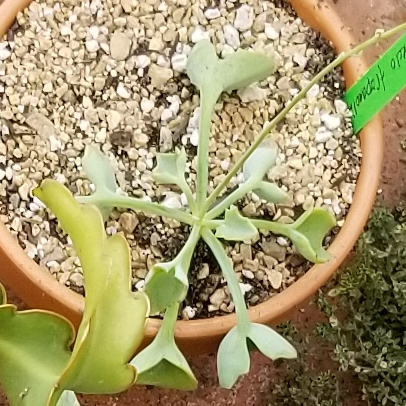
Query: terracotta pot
x=37 y=288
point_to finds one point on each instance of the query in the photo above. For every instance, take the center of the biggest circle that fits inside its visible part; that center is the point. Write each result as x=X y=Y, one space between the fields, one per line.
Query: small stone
x=172 y=200
x=4 y=54
x=122 y=91
x=248 y=274
x=246 y=251
x=156 y=44
x=166 y=115
x=244 y=18
x=212 y=13
x=218 y=297
x=41 y=124
x=250 y=209
x=296 y=163
x=126 y=5
x=159 y=75
x=94 y=31
x=24 y=190
x=231 y=36
x=275 y=278
x=274 y=250
x=179 y=62
x=99 y=83
x=199 y=34
x=92 y=46
x=120 y=45
x=48 y=87
x=271 y=32
x=313 y=91
x=128 y=222
x=165 y=139
x=188 y=313
x=147 y=105
x=340 y=106
x=331 y=122
x=252 y=93
x=332 y=144
x=283 y=83
x=313 y=152
x=142 y=61
x=113 y=119
x=178 y=14
x=322 y=135
x=204 y=271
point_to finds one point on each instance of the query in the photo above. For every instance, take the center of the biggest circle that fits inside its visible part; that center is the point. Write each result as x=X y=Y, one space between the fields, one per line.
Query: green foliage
x=372 y=336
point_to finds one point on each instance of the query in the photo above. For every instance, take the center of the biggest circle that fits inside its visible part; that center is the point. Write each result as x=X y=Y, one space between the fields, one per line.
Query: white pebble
x=166 y=115
x=179 y=62
x=147 y=105
x=122 y=91
x=92 y=46
x=189 y=312
x=212 y=13
x=244 y=18
x=199 y=34
x=340 y=106
x=142 y=61
x=172 y=200
x=231 y=36
x=94 y=31
x=331 y=122
x=194 y=137
x=270 y=32
x=245 y=287
x=252 y=93
x=4 y=54
x=322 y=135
x=314 y=91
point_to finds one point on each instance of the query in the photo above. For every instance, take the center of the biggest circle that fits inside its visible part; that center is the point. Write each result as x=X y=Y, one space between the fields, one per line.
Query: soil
x=364 y=17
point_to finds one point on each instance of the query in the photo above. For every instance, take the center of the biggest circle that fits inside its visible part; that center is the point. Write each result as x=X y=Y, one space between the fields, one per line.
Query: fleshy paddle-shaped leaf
x=233 y=358
x=270 y=192
x=99 y=170
x=114 y=317
x=34 y=351
x=161 y=363
x=68 y=398
x=170 y=168
x=308 y=231
x=167 y=282
x=235 y=227
x=235 y=71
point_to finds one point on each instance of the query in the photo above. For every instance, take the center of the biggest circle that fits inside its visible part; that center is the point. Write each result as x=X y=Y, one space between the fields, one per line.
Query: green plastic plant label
x=377 y=87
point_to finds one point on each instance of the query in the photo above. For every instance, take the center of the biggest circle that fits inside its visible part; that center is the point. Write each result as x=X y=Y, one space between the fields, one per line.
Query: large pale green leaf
x=235 y=227
x=34 y=351
x=114 y=318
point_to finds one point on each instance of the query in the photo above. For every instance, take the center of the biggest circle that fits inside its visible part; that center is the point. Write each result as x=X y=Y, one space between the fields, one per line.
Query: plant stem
x=167 y=330
x=114 y=200
x=341 y=58
x=214 y=244
x=242 y=190
x=272 y=226
x=208 y=101
x=189 y=196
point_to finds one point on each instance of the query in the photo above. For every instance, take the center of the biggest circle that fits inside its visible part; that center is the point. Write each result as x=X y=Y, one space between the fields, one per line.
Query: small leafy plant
x=38 y=367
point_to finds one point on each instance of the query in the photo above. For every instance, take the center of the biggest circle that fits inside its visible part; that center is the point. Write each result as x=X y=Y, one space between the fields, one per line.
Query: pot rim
x=37 y=288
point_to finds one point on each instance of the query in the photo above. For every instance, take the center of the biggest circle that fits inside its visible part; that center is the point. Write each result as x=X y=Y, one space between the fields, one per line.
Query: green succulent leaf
x=261 y=160
x=99 y=170
x=271 y=192
x=114 y=318
x=233 y=359
x=308 y=232
x=170 y=168
x=270 y=343
x=234 y=72
x=161 y=363
x=235 y=227
x=34 y=352
x=168 y=282
x=68 y=398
